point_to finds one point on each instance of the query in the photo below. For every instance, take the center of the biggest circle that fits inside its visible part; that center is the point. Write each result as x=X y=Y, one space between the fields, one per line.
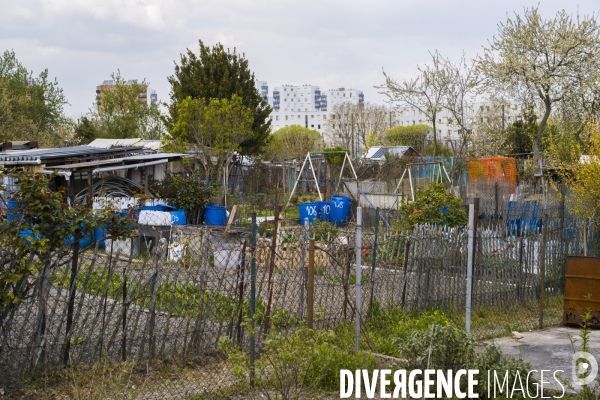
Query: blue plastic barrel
x=11 y=214
x=100 y=235
x=324 y=210
x=308 y=210
x=215 y=215
x=340 y=210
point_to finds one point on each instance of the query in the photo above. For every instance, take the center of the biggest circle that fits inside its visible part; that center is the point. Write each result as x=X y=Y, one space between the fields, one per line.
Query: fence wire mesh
x=147 y=314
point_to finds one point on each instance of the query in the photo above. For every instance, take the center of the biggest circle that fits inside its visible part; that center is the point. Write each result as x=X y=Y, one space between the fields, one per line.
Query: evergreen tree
x=216 y=73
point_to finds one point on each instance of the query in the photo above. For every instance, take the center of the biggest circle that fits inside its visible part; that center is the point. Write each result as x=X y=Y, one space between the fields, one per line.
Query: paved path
x=548 y=349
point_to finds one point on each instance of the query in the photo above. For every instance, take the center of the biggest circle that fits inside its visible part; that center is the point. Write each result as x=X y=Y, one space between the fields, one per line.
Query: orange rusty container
x=582 y=278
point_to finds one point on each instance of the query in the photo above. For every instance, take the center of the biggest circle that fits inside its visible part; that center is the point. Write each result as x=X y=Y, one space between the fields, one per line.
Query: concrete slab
x=548 y=349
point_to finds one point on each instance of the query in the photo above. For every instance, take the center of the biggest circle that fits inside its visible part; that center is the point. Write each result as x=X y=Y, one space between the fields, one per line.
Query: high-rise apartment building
x=306 y=105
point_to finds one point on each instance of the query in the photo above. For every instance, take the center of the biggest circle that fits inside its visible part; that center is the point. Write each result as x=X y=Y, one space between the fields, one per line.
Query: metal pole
x=311 y=283
x=543 y=269
x=374 y=258
x=471 y=246
x=358 y=275
x=252 y=299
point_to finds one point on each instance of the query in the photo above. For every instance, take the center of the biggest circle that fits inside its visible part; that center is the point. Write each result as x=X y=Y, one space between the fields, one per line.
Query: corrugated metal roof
x=129 y=159
x=149 y=144
x=379 y=152
x=108 y=143
x=40 y=156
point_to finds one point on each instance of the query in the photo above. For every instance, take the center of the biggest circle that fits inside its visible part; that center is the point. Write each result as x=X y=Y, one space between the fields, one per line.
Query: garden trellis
x=308 y=160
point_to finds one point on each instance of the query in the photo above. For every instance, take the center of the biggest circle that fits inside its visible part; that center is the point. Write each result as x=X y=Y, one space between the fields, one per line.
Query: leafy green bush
x=451 y=348
x=413 y=135
x=289 y=365
x=385 y=327
x=190 y=192
x=433 y=204
x=41 y=232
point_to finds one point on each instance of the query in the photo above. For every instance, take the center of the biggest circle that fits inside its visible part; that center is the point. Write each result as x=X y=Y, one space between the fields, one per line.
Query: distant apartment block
x=447 y=127
x=305 y=105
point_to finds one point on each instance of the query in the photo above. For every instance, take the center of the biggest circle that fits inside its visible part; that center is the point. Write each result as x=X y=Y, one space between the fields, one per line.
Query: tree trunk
x=537 y=145
x=434 y=136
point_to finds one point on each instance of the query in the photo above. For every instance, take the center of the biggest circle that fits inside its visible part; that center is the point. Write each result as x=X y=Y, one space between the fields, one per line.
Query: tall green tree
x=216 y=130
x=521 y=133
x=118 y=113
x=31 y=107
x=555 y=60
x=216 y=73
x=85 y=131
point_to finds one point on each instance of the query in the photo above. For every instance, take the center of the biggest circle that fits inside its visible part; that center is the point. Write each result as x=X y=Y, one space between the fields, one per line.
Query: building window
x=312 y=116
x=324 y=117
x=318 y=126
x=413 y=121
x=286 y=117
x=312 y=126
x=277 y=118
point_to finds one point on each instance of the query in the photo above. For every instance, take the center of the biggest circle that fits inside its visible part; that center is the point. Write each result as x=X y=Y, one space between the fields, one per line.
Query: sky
x=328 y=43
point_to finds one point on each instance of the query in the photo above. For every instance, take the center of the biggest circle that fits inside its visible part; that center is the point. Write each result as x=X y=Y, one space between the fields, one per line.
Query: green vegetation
x=180 y=300
x=551 y=60
x=435 y=205
x=448 y=347
x=189 y=192
x=215 y=129
x=292 y=142
x=40 y=231
x=302 y=361
x=215 y=74
x=118 y=113
x=31 y=107
x=413 y=136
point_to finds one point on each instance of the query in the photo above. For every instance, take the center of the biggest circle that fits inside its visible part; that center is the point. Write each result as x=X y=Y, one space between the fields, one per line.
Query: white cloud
x=331 y=44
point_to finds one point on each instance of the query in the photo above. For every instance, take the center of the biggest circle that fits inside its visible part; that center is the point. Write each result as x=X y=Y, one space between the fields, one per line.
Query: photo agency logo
x=463 y=383
x=585 y=368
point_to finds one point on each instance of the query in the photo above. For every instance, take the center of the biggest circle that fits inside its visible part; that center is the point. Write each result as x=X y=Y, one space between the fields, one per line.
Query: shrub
x=304 y=360
x=450 y=348
x=433 y=204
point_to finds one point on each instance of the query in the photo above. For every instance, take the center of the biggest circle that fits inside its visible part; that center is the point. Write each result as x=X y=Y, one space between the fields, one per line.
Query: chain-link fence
x=153 y=308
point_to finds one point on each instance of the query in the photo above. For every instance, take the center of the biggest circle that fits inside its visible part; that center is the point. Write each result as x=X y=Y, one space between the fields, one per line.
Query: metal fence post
x=311 y=284
x=374 y=259
x=542 y=269
x=358 y=275
x=252 y=299
x=470 y=259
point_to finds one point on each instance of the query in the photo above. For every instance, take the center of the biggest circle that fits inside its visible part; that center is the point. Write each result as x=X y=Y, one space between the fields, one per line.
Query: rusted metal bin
x=582 y=278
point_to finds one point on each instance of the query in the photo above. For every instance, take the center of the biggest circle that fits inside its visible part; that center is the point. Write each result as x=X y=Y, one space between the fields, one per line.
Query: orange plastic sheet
x=496 y=168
